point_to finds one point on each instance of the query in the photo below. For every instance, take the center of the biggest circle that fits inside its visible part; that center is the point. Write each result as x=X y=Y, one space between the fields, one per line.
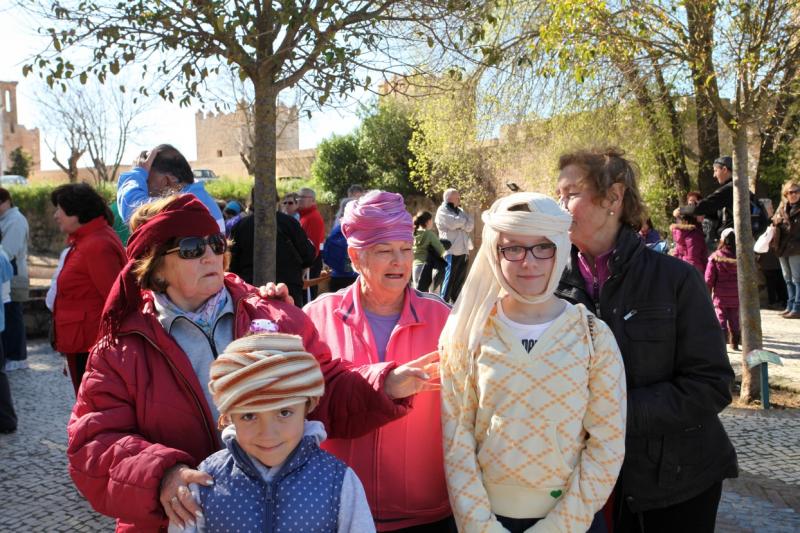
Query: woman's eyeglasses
x=793 y=191
x=516 y=253
x=194 y=247
x=288 y=202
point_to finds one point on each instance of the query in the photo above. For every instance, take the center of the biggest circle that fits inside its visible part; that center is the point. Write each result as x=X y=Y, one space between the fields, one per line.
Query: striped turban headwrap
x=265 y=372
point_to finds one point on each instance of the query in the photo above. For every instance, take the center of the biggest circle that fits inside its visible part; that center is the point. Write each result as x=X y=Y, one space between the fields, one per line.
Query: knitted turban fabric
x=265 y=372
x=376 y=217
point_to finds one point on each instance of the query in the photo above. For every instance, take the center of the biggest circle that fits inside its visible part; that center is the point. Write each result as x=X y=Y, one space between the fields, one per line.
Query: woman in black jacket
x=678 y=374
x=787 y=244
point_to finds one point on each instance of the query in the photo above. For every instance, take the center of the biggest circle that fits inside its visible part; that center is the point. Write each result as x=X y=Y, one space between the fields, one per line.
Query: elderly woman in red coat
x=93 y=261
x=144 y=420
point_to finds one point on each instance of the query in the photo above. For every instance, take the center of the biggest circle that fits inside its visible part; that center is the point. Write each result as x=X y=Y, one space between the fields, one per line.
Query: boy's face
x=270 y=436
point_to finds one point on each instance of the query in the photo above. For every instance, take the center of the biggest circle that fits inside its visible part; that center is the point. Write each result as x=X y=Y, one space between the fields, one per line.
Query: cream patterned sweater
x=534 y=435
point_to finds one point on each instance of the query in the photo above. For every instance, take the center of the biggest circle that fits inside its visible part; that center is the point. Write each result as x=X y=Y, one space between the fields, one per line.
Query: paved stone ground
x=36 y=493
x=781 y=336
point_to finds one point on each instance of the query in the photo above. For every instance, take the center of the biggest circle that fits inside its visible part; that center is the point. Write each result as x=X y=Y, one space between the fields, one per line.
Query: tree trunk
x=779 y=133
x=265 y=188
x=749 y=306
x=700 y=19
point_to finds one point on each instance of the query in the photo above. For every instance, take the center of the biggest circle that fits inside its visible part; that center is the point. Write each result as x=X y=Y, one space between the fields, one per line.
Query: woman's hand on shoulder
x=419 y=375
x=175 y=497
x=273 y=291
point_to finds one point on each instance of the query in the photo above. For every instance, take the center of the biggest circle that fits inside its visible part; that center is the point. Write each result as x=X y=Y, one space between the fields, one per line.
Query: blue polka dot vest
x=302 y=498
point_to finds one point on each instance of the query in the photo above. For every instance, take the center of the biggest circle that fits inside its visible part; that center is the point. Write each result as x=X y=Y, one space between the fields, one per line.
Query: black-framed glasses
x=793 y=191
x=514 y=253
x=194 y=247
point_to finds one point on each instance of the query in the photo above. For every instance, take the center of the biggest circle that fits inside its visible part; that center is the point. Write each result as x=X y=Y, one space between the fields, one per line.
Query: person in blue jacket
x=8 y=418
x=161 y=172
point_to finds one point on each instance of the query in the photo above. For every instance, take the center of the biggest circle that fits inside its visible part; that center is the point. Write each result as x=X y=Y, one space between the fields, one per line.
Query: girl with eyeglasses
x=787 y=244
x=533 y=387
x=144 y=418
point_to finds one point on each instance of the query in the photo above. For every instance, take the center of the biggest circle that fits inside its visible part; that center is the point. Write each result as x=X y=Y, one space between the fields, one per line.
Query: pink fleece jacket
x=400 y=464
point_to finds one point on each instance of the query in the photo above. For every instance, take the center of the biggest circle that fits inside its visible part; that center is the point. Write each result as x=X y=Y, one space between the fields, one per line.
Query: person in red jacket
x=143 y=420
x=92 y=264
x=314 y=226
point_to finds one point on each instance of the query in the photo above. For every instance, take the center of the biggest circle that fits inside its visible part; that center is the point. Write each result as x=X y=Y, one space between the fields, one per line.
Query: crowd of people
x=574 y=385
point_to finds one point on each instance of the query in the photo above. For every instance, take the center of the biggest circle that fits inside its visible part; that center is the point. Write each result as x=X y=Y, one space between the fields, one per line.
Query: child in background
x=721 y=281
x=272 y=475
x=533 y=387
x=690 y=242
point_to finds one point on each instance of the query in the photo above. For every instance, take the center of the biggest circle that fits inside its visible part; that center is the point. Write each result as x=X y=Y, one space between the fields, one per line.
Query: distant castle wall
x=15 y=135
x=224 y=135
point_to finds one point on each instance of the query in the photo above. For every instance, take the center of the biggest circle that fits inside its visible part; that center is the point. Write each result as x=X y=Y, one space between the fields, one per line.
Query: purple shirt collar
x=595 y=280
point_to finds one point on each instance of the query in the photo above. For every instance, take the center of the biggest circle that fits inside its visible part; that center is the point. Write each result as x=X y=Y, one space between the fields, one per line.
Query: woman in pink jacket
x=380 y=319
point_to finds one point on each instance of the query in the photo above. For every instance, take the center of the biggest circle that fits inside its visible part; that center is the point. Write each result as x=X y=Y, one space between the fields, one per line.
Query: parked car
x=204 y=174
x=13 y=179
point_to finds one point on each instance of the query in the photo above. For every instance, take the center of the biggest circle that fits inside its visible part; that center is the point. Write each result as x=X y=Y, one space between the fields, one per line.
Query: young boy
x=272 y=475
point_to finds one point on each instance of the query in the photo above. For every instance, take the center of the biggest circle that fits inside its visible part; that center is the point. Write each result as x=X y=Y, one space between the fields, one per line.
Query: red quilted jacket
x=141 y=410
x=85 y=280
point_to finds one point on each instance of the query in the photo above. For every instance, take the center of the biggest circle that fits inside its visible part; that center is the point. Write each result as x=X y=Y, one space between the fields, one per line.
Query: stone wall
x=223 y=135
x=14 y=134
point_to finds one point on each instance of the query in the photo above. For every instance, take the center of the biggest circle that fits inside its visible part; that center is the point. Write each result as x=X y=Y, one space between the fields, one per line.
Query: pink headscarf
x=376 y=217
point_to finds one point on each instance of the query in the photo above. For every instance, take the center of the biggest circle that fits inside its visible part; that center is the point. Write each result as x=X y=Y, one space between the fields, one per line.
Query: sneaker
x=13 y=364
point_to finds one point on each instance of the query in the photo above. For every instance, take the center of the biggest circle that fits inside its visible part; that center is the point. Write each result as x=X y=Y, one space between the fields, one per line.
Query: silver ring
x=173 y=500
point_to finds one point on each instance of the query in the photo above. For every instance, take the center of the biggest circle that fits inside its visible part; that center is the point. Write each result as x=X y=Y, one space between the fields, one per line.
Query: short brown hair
x=146 y=267
x=604 y=167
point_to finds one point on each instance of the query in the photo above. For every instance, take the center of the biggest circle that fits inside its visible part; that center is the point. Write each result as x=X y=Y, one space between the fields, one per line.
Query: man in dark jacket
x=718 y=206
x=293 y=252
x=677 y=370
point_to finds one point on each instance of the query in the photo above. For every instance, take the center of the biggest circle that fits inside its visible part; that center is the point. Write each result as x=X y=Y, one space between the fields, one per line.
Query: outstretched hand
x=419 y=375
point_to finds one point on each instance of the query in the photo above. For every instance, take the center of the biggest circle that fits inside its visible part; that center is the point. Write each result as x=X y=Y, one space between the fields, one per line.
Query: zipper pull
x=630 y=314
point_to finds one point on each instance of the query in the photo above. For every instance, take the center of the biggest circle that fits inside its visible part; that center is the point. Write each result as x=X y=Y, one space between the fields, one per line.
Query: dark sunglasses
x=288 y=202
x=194 y=247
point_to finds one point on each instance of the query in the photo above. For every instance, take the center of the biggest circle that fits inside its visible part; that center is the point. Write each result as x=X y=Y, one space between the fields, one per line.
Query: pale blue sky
x=167 y=123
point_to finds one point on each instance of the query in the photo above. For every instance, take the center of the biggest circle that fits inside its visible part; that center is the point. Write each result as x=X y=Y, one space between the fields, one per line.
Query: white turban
x=486 y=283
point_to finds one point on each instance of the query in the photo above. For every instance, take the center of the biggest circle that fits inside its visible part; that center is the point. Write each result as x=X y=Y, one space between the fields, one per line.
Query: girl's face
x=270 y=436
x=530 y=275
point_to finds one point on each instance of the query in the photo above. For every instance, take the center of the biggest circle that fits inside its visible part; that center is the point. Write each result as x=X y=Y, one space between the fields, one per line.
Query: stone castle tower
x=12 y=134
x=226 y=134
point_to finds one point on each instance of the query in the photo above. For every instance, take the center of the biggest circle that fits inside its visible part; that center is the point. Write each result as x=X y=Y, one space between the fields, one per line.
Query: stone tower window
x=219 y=153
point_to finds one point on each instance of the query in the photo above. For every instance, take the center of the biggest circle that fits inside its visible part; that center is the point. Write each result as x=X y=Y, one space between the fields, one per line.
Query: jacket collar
x=628 y=246
x=307 y=210
x=96 y=224
x=297 y=458
x=351 y=308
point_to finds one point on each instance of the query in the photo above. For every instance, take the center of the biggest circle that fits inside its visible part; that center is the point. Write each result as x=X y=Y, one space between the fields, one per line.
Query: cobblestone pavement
x=781 y=336
x=38 y=495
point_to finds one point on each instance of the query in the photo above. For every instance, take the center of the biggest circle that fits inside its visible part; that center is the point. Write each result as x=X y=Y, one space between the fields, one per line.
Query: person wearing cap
x=144 y=419
x=380 y=319
x=232 y=214
x=533 y=387
x=264 y=385
x=677 y=370
x=718 y=205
